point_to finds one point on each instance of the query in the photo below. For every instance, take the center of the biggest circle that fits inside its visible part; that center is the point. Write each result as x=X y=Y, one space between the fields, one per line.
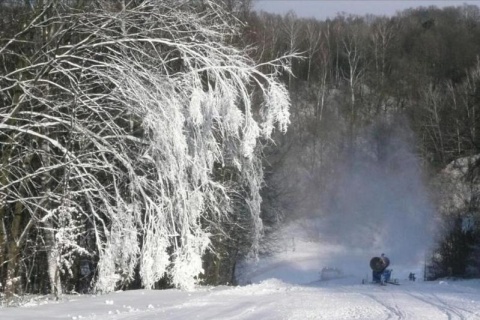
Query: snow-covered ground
x=272 y=299
x=284 y=286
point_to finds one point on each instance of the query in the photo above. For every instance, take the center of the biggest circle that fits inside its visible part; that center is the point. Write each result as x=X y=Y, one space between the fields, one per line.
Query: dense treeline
x=132 y=131
x=422 y=63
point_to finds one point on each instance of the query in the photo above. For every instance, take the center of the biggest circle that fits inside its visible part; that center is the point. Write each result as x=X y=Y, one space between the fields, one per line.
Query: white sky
x=322 y=9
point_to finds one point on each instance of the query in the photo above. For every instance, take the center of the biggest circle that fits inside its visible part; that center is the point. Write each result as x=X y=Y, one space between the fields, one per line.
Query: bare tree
x=292 y=30
x=433 y=100
x=353 y=49
x=314 y=36
x=382 y=34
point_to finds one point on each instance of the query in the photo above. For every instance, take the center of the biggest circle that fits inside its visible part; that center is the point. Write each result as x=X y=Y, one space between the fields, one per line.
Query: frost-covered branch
x=120 y=128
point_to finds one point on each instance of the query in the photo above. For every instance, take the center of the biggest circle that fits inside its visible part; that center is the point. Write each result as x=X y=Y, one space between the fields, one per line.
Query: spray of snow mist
x=379 y=202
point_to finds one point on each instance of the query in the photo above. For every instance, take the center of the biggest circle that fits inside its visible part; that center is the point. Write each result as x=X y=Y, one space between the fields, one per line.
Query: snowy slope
x=285 y=285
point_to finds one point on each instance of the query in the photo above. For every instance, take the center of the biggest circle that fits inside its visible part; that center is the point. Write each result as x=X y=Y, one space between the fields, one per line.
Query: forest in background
x=388 y=93
x=139 y=143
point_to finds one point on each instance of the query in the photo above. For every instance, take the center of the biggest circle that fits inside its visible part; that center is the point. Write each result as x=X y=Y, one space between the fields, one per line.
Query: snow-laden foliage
x=456 y=191
x=67 y=232
x=140 y=106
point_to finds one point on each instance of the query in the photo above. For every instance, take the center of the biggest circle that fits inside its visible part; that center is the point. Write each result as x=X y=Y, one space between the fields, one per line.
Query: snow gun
x=380 y=273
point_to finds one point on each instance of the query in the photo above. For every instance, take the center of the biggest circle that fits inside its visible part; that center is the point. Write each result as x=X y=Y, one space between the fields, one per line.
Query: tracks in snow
x=406 y=302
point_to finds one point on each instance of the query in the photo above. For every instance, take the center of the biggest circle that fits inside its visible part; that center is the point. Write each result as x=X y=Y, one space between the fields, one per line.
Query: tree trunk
x=53 y=258
x=53 y=254
x=12 y=283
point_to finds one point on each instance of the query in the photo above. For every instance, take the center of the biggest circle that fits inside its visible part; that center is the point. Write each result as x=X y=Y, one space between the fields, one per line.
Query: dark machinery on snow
x=380 y=273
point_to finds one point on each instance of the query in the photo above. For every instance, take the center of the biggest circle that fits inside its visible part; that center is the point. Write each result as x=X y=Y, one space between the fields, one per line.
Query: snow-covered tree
x=114 y=119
